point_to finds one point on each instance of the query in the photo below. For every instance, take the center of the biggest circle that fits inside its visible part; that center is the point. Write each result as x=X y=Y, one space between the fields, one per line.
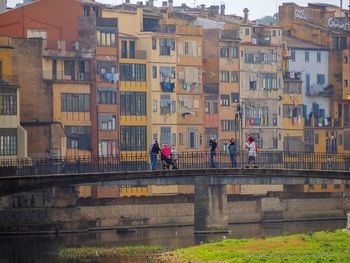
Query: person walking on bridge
x=213 y=144
x=154 y=151
x=233 y=152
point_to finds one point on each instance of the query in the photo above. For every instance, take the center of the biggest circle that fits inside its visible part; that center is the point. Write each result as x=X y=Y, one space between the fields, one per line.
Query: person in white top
x=250 y=144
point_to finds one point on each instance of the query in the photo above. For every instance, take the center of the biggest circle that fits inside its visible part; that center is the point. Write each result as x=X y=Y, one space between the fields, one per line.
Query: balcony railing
x=6 y=80
x=322 y=122
x=61 y=76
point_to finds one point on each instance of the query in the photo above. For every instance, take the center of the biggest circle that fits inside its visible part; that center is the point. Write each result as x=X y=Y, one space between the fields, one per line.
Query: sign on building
x=339 y=23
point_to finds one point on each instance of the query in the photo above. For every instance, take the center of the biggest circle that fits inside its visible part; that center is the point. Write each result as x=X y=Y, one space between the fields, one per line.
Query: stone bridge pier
x=210 y=207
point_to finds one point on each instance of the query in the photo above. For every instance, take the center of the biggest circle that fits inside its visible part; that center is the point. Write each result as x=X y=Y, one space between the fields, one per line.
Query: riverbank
x=103 y=252
x=316 y=247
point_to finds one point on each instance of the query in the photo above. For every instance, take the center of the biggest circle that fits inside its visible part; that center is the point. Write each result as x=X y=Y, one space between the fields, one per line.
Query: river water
x=44 y=249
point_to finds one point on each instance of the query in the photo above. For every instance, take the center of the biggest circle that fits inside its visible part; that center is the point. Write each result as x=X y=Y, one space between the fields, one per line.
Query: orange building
x=75 y=72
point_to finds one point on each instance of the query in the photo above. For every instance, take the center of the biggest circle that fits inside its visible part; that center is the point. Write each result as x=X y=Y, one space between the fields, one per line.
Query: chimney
x=171 y=3
x=245 y=11
x=164 y=4
x=222 y=10
x=139 y=3
x=127 y=1
x=202 y=8
x=151 y=3
x=214 y=10
x=183 y=5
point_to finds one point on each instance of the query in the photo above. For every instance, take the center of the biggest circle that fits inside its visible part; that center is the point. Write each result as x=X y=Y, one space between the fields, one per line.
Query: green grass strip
x=317 y=247
x=101 y=252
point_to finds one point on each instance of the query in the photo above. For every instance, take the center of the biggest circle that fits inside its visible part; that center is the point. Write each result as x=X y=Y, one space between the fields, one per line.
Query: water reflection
x=43 y=249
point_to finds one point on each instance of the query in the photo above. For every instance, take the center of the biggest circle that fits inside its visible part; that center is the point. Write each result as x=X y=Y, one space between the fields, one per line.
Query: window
x=321 y=79
x=132 y=72
x=165 y=104
x=106 y=70
x=167 y=74
x=105 y=39
x=346 y=141
x=106 y=122
x=345 y=83
x=234 y=97
x=224 y=52
x=155 y=106
x=233 y=52
x=234 y=76
x=154 y=43
x=274 y=120
x=339 y=43
x=106 y=96
x=256 y=116
x=107 y=148
x=131 y=49
x=225 y=100
x=275 y=143
x=166 y=45
x=211 y=105
x=78 y=137
x=8 y=141
x=228 y=125
x=192 y=138
x=69 y=69
x=307 y=56
x=293 y=55
x=252 y=85
x=188 y=48
x=133 y=103
x=133 y=138
x=165 y=135
x=8 y=101
x=274 y=33
x=154 y=72
x=269 y=81
x=247 y=31
x=74 y=102
x=124 y=49
x=86 y=11
x=318 y=57
x=181 y=139
x=345 y=60
x=224 y=76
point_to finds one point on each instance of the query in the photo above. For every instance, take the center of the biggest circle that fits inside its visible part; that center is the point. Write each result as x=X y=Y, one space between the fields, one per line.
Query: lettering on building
x=300 y=14
x=339 y=23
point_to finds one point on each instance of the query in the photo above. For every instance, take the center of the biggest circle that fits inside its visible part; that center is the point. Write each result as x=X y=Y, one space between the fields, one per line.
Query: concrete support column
x=210 y=207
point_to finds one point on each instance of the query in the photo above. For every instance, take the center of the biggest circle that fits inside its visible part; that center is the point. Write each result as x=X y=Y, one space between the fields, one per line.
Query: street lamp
x=239 y=116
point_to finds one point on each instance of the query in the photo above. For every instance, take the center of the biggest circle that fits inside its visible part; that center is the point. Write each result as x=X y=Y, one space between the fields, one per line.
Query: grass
x=101 y=252
x=316 y=247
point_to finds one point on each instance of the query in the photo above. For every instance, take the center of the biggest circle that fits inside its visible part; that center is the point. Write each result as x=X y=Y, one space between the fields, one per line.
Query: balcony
x=107 y=22
x=230 y=35
x=320 y=90
x=6 y=80
x=137 y=54
x=62 y=76
x=322 y=122
x=167 y=86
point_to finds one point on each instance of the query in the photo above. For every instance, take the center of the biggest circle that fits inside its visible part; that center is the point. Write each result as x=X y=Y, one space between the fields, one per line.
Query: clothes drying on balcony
x=194 y=87
x=167 y=86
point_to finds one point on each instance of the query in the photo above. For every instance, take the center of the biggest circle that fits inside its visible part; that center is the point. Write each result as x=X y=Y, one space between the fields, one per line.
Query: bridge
x=210 y=183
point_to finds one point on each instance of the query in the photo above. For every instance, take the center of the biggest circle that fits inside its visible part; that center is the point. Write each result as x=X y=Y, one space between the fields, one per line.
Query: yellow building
x=13 y=138
x=69 y=77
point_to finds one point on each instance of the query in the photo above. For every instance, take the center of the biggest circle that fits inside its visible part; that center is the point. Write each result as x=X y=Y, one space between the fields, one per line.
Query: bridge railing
x=184 y=160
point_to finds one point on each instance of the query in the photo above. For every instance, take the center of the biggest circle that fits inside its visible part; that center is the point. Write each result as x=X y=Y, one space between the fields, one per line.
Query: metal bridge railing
x=185 y=160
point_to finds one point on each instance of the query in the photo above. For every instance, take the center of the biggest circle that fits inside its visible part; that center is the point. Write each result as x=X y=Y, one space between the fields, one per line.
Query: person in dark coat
x=213 y=144
x=154 y=151
x=233 y=152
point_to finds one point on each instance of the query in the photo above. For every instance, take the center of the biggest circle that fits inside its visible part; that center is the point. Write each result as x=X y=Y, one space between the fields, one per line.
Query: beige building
x=13 y=138
x=261 y=84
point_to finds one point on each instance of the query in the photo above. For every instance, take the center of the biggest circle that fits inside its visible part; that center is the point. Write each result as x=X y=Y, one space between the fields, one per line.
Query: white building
x=310 y=63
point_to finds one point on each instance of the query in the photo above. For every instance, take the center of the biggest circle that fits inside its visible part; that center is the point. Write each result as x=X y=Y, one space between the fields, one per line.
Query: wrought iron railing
x=184 y=160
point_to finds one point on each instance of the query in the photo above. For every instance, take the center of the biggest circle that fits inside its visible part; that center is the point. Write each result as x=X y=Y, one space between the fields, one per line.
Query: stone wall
x=265 y=209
